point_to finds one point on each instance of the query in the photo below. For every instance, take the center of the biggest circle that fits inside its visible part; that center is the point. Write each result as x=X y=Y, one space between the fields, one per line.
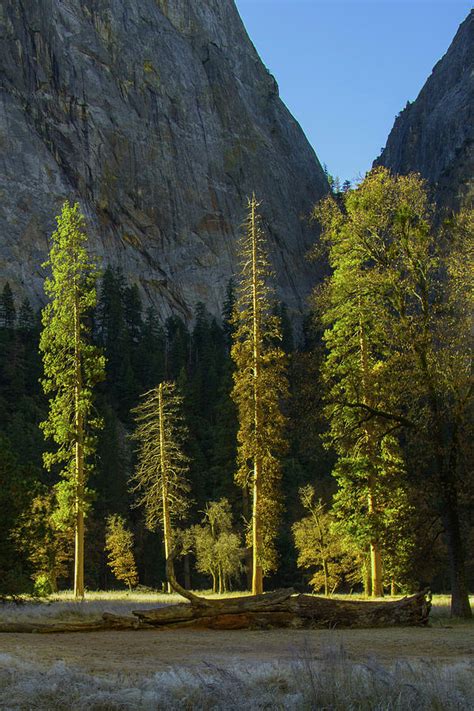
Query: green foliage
x=411 y=399
x=119 y=545
x=395 y=312
x=72 y=366
x=393 y=521
x=320 y=545
x=260 y=385
x=217 y=547
x=42 y=586
x=69 y=357
x=46 y=541
x=7 y=308
x=15 y=495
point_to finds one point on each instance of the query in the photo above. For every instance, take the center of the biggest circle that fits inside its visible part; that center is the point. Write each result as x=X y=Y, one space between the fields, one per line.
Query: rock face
x=434 y=136
x=160 y=118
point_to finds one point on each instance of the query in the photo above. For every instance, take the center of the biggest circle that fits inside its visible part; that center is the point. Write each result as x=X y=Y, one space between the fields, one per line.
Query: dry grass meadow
x=429 y=668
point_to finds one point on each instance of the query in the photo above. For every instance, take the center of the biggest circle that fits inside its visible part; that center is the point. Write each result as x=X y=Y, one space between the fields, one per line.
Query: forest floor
x=445 y=650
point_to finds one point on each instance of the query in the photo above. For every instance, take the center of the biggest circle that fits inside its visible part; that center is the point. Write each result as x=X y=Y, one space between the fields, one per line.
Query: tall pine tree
x=72 y=366
x=260 y=385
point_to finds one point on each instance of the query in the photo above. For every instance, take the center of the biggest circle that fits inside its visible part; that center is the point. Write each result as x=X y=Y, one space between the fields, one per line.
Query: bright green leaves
x=72 y=364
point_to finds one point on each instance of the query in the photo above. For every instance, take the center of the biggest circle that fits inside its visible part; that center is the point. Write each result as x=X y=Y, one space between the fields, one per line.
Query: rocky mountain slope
x=161 y=119
x=435 y=134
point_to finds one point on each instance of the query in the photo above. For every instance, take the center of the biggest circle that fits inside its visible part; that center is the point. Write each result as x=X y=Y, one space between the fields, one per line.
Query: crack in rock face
x=160 y=119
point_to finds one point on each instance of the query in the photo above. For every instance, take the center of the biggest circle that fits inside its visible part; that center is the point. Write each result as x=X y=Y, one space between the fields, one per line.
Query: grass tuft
x=334 y=683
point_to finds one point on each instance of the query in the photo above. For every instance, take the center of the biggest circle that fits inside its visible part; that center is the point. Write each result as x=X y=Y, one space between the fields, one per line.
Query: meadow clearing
x=397 y=668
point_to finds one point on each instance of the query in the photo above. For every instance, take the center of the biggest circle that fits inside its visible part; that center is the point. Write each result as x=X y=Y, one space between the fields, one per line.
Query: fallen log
x=183 y=612
x=282 y=609
x=108 y=622
x=279 y=609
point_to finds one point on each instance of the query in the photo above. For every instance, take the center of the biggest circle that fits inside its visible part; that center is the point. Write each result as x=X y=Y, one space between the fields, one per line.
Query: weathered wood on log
x=211 y=608
x=108 y=622
x=282 y=609
x=267 y=611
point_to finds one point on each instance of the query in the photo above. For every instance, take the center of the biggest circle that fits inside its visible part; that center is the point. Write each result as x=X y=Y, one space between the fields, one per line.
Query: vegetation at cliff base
x=250 y=449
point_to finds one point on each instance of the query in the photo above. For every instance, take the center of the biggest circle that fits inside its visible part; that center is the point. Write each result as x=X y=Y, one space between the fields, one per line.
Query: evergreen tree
x=151 y=352
x=177 y=348
x=133 y=312
x=259 y=388
x=381 y=479
x=287 y=337
x=119 y=326
x=162 y=465
x=26 y=317
x=223 y=433
x=203 y=397
x=17 y=484
x=227 y=312
x=398 y=357
x=22 y=405
x=7 y=308
x=72 y=366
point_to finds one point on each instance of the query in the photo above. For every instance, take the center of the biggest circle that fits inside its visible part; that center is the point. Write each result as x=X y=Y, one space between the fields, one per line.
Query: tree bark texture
x=164 y=466
x=375 y=554
x=280 y=609
x=283 y=609
x=79 y=461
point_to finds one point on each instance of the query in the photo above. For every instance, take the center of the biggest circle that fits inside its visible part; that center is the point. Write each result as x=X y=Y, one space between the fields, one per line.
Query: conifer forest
x=236 y=392
x=331 y=454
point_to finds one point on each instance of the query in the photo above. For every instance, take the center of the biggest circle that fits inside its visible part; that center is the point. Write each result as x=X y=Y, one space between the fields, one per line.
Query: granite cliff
x=160 y=118
x=434 y=135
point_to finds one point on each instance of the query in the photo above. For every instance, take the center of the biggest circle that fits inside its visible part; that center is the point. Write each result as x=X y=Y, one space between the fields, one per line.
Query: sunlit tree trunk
x=322 y=544
x=167 y=532
x=79 y=461
x=375 y=554
x=367 y=579
x=248 y=550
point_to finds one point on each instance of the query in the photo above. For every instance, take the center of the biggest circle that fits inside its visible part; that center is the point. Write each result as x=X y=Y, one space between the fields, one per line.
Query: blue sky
x=346 y=67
